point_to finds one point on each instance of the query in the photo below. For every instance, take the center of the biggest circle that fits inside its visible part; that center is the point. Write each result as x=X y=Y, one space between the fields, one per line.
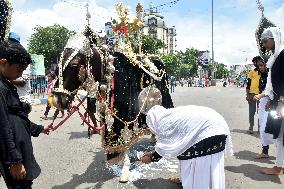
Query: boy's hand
x=18 y=171
x=46 y=129
x=257 y=97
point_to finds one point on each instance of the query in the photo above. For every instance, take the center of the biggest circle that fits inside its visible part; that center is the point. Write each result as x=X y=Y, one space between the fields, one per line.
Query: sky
x=235 y=21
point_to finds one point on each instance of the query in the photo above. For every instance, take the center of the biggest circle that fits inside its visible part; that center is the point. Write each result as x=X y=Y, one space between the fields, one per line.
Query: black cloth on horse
x=127 y=86
x=126 y=91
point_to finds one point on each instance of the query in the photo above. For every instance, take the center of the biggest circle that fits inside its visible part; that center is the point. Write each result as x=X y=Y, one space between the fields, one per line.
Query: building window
x=152 y=21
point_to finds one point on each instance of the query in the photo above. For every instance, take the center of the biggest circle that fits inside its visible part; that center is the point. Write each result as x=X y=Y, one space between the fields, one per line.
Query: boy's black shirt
x=15 y=132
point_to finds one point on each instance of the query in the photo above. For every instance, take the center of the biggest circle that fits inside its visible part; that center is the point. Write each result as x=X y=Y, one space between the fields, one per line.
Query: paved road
x=71 y=161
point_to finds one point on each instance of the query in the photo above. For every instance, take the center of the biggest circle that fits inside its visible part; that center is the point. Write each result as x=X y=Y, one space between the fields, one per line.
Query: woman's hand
x=147 y=157
x=267 y=105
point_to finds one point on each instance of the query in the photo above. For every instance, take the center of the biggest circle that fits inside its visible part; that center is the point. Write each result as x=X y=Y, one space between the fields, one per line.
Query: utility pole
x=212 y=37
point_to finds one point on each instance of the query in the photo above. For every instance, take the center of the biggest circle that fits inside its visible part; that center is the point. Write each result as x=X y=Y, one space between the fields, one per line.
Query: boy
x=17 y=163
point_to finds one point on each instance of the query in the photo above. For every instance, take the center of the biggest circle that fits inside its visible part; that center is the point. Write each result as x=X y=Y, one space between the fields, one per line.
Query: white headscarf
x=279 y=46
x=178 y=129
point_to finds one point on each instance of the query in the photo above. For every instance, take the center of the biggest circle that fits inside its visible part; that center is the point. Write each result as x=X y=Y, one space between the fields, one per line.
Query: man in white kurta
x=186 y=132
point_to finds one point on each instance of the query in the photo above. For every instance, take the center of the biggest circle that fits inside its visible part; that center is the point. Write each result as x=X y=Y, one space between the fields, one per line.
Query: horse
x=116 y=82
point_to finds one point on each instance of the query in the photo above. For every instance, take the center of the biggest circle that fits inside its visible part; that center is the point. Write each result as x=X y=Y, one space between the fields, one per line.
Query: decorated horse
x=126 y=86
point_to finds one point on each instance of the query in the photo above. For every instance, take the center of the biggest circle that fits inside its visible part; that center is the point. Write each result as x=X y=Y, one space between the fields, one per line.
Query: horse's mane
x=96 y=63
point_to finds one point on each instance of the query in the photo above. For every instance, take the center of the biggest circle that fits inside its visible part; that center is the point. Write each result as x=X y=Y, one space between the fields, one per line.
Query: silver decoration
x=149 y=97
x=80 y=43
x=126 y=134
x=109 y=121
x=91 y=86
x=136 y=128
x=101 y=107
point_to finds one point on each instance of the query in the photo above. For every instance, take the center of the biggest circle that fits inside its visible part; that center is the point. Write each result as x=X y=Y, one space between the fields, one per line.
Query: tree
x=171 y=62
x=222 y=71
x=189 y=62
x=49 y=42
x=181 y=64
x=151 y=45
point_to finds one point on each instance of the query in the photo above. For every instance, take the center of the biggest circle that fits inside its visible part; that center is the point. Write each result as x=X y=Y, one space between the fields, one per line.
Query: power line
x=162 y=6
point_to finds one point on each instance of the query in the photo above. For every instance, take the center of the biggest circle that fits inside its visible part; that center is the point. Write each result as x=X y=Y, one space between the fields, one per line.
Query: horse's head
x=71 y=70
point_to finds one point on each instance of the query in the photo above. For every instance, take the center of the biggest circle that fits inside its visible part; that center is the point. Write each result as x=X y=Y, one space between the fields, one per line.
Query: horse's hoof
x=124 y=177
x=125 y=173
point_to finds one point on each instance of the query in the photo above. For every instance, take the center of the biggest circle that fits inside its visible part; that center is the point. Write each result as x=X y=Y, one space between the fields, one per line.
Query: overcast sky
x=235 y=21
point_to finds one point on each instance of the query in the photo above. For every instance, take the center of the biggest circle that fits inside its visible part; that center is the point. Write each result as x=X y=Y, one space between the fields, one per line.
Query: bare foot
x=272 y=171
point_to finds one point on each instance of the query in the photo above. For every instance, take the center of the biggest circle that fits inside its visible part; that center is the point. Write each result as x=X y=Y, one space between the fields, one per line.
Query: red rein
x=76 y=109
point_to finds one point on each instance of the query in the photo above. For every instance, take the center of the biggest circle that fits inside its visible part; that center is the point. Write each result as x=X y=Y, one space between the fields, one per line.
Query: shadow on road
x=77 y=135
x=253 y=171
x=155 y=184
x=255 y=133
x=248 y=155
x=96 y=173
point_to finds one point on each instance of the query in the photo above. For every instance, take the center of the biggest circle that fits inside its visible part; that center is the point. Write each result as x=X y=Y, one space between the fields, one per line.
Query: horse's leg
x=125 y=172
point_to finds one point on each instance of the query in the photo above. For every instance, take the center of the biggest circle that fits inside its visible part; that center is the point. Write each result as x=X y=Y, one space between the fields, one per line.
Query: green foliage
x=49 y=42
x=189 y=63
x=222 y=71
x=171 y=62
x=181 y=64
x=151 y=45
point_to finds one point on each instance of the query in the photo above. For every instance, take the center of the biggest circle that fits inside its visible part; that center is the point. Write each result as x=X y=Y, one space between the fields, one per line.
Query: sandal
x=261 y=156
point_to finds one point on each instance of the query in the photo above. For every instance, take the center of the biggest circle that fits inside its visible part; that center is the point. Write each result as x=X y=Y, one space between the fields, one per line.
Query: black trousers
x=12 y=183
x=252 y=110
x=23 y=184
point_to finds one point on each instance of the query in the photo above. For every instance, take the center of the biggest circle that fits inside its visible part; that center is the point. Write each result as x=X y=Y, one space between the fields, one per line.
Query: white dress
x=206 y=172
x=265 y=138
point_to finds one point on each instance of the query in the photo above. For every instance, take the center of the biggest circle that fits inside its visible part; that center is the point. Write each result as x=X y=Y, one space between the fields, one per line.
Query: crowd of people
x=189 y=82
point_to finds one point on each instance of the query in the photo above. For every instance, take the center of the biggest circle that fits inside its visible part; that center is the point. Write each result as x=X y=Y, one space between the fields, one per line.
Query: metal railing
x=38 y=86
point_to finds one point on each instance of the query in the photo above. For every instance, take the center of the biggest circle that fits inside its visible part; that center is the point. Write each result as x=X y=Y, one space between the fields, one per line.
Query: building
x=108 y=29
x=155 y=26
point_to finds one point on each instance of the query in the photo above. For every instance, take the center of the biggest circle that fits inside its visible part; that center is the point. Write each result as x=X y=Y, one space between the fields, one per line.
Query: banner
x=203 y=58
x=37 y=67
